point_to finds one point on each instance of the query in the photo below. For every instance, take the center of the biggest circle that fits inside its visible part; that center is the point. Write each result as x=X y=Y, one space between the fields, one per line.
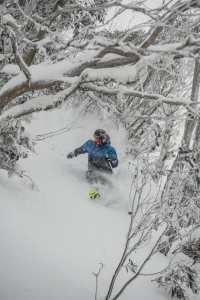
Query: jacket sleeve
x=113 y=158
x=79 y=151
x=114 y=163
x=83 y=149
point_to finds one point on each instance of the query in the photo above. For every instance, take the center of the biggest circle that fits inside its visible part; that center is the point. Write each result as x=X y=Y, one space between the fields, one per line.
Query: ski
x=94 y=194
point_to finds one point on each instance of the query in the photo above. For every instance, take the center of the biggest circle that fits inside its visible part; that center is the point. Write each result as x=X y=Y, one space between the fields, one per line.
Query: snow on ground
x=53 y=239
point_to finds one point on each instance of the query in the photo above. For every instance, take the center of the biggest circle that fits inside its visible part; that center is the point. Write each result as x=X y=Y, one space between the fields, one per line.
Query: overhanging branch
x=131 y=92
x=23 y=87
x=42 y=103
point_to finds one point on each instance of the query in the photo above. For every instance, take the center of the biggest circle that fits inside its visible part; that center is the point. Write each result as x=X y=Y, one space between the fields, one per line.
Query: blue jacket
x=102 y=156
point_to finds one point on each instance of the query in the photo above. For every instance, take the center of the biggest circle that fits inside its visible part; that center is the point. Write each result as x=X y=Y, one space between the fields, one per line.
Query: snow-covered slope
x=53 y=239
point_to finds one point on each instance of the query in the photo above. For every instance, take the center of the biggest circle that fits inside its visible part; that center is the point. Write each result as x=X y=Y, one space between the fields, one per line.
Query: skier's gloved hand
x=112 y=162
x=70 y=155
x=108 y=158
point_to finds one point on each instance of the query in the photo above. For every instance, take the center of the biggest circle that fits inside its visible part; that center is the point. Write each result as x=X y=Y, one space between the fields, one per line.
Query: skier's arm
x=78 y=151
x=114 y=163
x=106 y=163
x=112 y=158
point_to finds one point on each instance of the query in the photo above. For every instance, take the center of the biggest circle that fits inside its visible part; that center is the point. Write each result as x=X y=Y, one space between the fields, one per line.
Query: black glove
x=70 y=155
x=108 y=158
x=113 y=163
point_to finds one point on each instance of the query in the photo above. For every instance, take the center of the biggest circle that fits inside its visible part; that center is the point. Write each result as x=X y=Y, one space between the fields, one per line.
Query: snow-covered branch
x=37 y=25
x=7 y=19
x=123 y=90
x=129 y=6
x=41 y=103
x=171 y=13
x=91 y=65
x=188 y=48
x=19 y=88
x=47 y=76
x=118 y=62
x=19 y=60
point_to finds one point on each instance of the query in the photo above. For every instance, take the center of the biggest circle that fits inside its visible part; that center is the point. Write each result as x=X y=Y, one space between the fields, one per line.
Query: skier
x=102 y=157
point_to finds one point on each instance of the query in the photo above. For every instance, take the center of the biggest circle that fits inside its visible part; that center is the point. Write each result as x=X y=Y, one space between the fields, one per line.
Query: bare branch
x=96 y=274
x=140 y=268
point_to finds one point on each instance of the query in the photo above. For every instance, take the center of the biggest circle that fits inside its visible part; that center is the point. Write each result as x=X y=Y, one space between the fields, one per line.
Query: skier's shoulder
x=111 y=148
x=88 y=144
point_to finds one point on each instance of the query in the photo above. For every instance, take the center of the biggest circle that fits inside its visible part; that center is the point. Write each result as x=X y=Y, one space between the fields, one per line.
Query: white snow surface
x=53 y=239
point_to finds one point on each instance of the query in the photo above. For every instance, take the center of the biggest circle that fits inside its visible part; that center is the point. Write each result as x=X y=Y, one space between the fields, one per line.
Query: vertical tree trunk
x=178 y=187
x=188 y=133
x=190 y=123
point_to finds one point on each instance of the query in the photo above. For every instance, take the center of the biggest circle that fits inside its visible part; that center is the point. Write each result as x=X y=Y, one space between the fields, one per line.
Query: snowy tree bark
x=177 y=188
x=191 y=122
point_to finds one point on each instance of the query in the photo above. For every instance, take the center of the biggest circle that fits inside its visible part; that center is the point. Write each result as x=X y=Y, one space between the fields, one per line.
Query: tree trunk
x=178 y=186
x=188 y=130
x=190 y=123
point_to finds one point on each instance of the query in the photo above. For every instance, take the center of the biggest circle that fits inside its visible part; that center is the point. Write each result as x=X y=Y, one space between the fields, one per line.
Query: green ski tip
x=94 y=194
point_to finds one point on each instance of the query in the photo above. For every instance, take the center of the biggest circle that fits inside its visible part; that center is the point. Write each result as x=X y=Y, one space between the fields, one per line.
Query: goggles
x=98 y=140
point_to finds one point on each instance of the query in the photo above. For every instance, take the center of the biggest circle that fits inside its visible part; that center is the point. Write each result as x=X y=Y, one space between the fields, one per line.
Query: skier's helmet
x=101 y=137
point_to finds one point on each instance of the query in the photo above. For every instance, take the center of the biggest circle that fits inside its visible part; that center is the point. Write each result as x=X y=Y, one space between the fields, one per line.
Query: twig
x=96 y=274
x=140 y=269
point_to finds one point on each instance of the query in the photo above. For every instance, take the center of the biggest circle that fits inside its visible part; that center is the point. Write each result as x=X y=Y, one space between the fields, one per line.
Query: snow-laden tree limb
x=188 y=48
x=47 y=76
x=129 y=6
x=101 y=62
x=50 y=102
x=10 y=21
x=37 y=25
x=123 y=90
x=19 y=60
x=93 y=65
x=171 y=13
x=41 y=103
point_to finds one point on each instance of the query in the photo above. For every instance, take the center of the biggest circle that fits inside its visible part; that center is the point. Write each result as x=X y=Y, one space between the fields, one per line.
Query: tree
x=78 y=76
